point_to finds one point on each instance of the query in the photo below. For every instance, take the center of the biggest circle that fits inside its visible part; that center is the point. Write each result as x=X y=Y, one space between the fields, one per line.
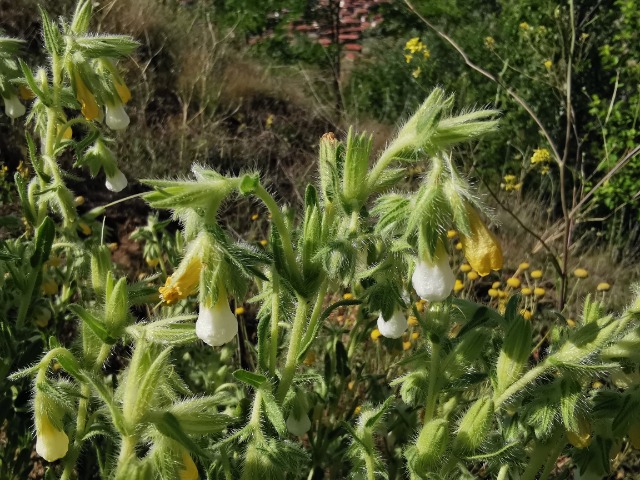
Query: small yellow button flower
x=264 y=243
x=458 y=246
x=523 y=266
x=526 y=314
x=548 y=64
x=452 y=234
x=152 y=262
x=524 y=26
x=375 y=334
x=415 y=336
x=580 y=273
x=496 y=284
x=420 y=305
x=465 y=268
x=526 y=291
x=348 y=296
x=540 y=155
x=472 y=275
x=255 y=217
x=357 y=410
x=412 y=321
x=239 y=310
x=458 y=285
x=539 y=292
x=603 y=287
x=351 y=384
x=489 y=42
x=513 y=282
x=481 y=248
x=493 y=293
x=406 y=345
x=536 y=274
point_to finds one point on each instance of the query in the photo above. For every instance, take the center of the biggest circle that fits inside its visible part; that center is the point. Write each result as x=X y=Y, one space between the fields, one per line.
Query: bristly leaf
x=111 y=46
x=53 y=40
x=272 y=410
x=253 y=379
x=94 y=323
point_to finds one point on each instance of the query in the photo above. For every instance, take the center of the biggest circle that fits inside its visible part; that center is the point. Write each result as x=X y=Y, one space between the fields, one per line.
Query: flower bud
x=474 y=425
x=189 y=470
x=298 y=426
x=432 y=443
x=218 y=325
x=433 y=281
x=394 y=327
x=51 y=444
x=116 y=182
x=514 y=353
x=13 y=108
x=116 y=117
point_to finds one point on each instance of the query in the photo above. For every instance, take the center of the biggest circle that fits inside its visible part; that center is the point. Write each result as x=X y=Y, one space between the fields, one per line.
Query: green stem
x=127 y=453
x=371 y=468
x=294 y=346
x=278 y=219
x=315 y=313
x=502 y=474
x=254 y=421
x=432 y=394
x=555 y=449
x=275 y=313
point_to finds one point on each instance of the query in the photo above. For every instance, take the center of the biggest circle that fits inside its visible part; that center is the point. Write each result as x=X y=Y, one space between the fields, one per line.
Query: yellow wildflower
x=603 y=287
x=496 y=284
x=415 y=336
x=152 y=262
x=348 y=296
x=571 y=322
x=89 y=107
x=239 y=310
x=510 y=178
x=357 y=410
x=264 y=242
x=50 y=287
x=513 y=282
x=406 y=345
x=375 y=334
x=548 y=64
x=189 y=470
x=489 y=42
x=502 y=294
x=540 y=155
x=452 y=234
x=524 y=26
x=183 y=282
x=414 y=45
x=536 y=274
x=420 y=305
x=51 y=443
x=465 y=267
x=526 y=314
x=412 y=321
x=458 y=285
x=123 y=91
x=269 y=121
x=351 y=384
x=580 y=273
x=84 y=228
x=539 y=292
x=426 y=53
x=255 y=217
x=416 y=73
x=523 y=266
x=408 y=58
x=526 y=291
x=472 y=275
x=493 y=292
x=113 y=246
x=481 y=248
x=459 y=246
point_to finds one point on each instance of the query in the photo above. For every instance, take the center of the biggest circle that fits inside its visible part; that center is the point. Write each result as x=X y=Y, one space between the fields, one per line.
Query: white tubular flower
x=116 y=117
x=51 y=444
x=13 y=108
x=433 y=281
x=298 y=426
x=218 y=325
x=116 y=182
x=394 y=327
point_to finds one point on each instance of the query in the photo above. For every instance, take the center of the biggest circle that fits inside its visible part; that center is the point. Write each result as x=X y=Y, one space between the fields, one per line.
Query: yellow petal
x=481 y=248
x=90 y=109
x=189 y=470
x=123 y=91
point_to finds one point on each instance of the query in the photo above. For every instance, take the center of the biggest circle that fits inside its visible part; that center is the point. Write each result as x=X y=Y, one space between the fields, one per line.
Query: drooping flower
x=189 y=470
x=217 y=325
x=433 y=280
x=88 y=104
x=394 y=327
x=123 y=91
x=298 y=426
x=184 y=281
x=116 y=117
x=481 y=247
x=13 y=108
x=51 y=443
x=116 y=182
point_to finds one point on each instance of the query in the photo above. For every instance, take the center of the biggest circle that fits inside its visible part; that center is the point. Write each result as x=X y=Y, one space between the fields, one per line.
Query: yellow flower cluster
x=540 y=155
x=489 y=42
x=548 y=64
x=511 y=184
x=415 y=45
x=524 y=26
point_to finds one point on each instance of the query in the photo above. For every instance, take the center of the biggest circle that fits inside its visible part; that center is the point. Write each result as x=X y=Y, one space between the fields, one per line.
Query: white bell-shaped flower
x=13 y=107
x=116 y=117
x=217 y=325
x=433 y=281
x=116 y=182
x=51 y=443
x=394 y=327
x=298 y=426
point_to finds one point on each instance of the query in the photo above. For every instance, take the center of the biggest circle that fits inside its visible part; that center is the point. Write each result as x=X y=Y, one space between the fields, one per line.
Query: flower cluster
x=414 y=49
x=511 y=184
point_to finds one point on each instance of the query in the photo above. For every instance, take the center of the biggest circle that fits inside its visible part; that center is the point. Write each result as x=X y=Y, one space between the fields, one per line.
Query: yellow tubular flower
x=406 y=345
x=465 y=268
x=183 y=282
x=539 y=291
x=472 y=275
x=189 y=470
x=123 y=91
x=481 y=248
x=523 y=266
x=90 y=109
x=51 y=443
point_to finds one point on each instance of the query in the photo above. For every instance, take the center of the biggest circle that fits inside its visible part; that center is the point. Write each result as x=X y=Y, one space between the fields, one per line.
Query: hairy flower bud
x=51 y=444
x=218 y=325
x=394 y=327
x=433 y=281
x=116 y=117
x=13 y=108
x=298 y=426
x=474 y=425
x=116 y=182
x=432 y=443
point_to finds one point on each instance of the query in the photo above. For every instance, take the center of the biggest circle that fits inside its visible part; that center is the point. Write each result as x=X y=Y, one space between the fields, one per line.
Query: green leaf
x=112 y=46
x=53 y=40
x=170 y=427
x=27 y=209
x=273 y=412
x=94 y=323
x=43 y=241
x=376 y=417
x=254 y=379
x=263 y=342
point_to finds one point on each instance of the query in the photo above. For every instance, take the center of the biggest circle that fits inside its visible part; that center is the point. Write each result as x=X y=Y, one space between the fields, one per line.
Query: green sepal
x=249 y=183
x=53 y=40
x=272 y=410
x=255 y=380
x=43 y=242
x=81 y=17
x=94 y=323
x=27 y=208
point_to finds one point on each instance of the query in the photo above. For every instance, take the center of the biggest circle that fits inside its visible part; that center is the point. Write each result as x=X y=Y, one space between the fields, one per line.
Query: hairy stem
x=294 y=346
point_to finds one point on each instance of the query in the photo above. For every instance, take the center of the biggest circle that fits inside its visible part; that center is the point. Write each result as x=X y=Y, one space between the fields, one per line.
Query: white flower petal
x=13 y=107
x=394 y=327
x=298 y=426
x=117 y=182
x=433 y=281
x=51 y=443
x=116 y=117
x=216 y=326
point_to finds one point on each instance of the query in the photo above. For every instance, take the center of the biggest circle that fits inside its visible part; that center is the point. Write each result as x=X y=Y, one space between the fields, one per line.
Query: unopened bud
x=514 y=353
x=474 y=426
x=432 y=443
